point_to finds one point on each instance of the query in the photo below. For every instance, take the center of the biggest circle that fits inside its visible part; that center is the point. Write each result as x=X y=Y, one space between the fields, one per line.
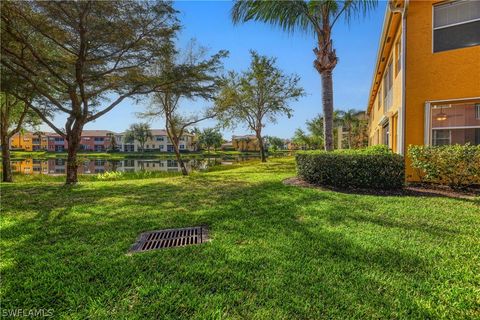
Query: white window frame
x=427 y=134
x=447 y=26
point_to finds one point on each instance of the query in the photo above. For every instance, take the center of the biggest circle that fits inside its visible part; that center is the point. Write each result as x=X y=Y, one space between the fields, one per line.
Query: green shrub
x=456 y=166
x=372 y=168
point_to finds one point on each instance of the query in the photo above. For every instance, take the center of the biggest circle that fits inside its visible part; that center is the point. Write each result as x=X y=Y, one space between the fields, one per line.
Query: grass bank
x=277 y=251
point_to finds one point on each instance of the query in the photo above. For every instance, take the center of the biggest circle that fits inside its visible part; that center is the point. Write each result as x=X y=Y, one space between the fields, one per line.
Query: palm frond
x=288 y=15
x=349 y=9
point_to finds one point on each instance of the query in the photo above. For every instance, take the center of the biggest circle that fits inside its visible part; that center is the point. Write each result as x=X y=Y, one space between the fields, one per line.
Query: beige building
x=158 y=142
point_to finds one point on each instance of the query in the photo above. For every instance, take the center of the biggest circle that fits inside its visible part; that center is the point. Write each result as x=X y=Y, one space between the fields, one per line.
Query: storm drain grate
x=170 y=238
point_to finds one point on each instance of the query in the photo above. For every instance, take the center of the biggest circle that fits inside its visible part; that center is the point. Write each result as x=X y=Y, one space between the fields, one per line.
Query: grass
x=277 y=251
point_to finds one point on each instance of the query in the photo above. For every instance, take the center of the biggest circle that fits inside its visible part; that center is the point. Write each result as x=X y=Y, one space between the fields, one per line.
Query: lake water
x=58 y=166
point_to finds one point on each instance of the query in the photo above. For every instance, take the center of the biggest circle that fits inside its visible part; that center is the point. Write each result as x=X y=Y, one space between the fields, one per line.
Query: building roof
x=384 y=46
x=247 y=136
x=96 y=133
x=160 y=132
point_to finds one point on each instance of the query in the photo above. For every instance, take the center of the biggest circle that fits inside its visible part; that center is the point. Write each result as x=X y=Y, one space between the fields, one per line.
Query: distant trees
x=354 y=131
x=140 y=132
x=14 y=115
x=313 y=17
x=306 y=140
x=113 y=142
x=275 y=143
x=210 y=138
x=191 y=75
x=258 y=95
x=83 y=58
x=355 y=125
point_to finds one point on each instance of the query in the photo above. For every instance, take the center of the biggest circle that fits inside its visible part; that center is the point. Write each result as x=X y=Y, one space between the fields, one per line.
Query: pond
x=58 y=166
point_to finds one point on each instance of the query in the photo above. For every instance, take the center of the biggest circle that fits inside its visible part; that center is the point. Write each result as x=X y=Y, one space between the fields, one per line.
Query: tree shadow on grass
x=262 y=262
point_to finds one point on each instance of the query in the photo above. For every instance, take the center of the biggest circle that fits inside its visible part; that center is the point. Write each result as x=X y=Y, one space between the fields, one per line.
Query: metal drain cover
x=170 y=238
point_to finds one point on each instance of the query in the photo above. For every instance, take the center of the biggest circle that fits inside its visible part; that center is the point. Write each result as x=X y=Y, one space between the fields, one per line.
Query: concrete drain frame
x=170 y=238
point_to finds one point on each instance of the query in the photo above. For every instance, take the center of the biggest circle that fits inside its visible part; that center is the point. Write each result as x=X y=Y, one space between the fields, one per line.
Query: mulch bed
x=422 y=190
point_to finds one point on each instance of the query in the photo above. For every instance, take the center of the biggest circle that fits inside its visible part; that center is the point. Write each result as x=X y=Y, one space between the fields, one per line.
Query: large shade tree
x=258 y=95
x=317 y=17
x=192 y=75
x=83 y=58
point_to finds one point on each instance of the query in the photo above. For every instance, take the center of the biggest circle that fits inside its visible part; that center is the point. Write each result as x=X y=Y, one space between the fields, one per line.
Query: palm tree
x=317 y=17
x=349 y=120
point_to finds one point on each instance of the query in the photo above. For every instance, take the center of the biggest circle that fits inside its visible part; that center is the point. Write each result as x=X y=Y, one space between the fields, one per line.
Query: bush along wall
x=369 y=168
x=457 y=166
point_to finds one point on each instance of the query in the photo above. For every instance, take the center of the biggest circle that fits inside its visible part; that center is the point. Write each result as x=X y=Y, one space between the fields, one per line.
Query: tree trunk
x=6 y=167
x=179 y=159
x=73 y=139
x=327 y=99
x=261 y=146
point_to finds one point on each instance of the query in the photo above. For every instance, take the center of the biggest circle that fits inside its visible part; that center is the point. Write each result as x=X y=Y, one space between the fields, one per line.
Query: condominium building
x=99 y=141
x=426 y=85
x=159 y=142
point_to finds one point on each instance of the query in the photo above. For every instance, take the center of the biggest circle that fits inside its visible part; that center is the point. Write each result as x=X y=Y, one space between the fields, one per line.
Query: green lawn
x=277 y=252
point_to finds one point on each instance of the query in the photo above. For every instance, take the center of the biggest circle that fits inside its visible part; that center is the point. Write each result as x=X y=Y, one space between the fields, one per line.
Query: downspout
x=403 y=12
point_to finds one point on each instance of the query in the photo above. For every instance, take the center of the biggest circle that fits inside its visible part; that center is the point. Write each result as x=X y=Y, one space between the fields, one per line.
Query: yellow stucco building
x=245 y=143
x=426 y=84
x=22 y=141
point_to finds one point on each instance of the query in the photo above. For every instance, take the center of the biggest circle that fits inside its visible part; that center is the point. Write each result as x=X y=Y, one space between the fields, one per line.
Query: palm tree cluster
x=315 y=17
x=350 y=124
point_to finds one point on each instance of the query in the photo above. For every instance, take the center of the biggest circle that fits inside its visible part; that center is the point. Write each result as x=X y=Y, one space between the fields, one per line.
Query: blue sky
x=210 y=24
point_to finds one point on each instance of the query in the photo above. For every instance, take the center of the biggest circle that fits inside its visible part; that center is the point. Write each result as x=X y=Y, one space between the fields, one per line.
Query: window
x=386 y=134
x=398 y=56
x=182 y=146
x=387 y=87
x=442 y=137
x=160 y=138
x=98 y=139
x=456 y=25
x=379 y=97
x=182 y=138
x=477 y=111
x=161 y=147
x=454 y=123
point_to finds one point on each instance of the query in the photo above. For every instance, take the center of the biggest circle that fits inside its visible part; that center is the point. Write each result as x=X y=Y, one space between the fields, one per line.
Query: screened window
x=386 y=134
x=456 y=25
x=398 y=54
x=387 y=86
x=455 y=124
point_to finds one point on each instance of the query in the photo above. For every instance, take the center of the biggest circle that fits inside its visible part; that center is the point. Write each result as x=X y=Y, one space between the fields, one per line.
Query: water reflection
x=95 y=166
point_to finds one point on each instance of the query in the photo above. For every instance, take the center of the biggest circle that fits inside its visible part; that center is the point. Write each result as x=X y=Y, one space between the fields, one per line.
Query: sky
x=210 y=24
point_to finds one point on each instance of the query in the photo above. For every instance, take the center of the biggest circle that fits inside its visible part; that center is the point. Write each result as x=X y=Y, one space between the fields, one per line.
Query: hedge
x=457 y=166
x=369 y=168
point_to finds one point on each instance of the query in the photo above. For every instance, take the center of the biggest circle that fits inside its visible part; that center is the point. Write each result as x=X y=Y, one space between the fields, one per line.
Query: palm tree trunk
x=327 y=99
